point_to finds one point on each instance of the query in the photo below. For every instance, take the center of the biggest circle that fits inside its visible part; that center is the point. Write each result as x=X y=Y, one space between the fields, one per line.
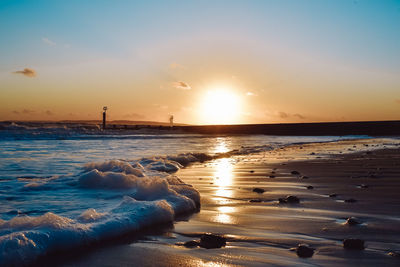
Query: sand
x=263 y=233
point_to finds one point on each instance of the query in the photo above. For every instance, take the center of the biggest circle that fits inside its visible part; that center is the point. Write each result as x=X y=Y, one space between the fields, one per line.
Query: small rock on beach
x=352 y=243
x=289 y=199
x=352 y=221
x=212 y=241
x=304 y=251
x=258 y=190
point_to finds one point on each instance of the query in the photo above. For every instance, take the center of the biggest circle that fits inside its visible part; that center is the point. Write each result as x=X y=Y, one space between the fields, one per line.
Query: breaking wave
x=149 y=195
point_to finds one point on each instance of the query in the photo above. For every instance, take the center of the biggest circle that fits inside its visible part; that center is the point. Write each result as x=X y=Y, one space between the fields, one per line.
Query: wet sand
x=260 y=231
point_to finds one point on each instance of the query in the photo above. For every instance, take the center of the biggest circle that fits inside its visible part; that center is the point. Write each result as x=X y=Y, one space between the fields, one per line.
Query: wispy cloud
x=28 y=72
x=48 y=42
x=28 y=111
x=284 y=115
x=182 y=85
x=49 y=113
x=299 y=116
x=250 y=94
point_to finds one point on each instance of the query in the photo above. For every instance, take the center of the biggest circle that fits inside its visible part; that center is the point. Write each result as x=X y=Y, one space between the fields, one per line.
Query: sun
x=220 y=106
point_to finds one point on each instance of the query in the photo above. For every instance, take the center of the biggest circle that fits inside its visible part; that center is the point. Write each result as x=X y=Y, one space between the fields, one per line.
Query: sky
x=204 y=62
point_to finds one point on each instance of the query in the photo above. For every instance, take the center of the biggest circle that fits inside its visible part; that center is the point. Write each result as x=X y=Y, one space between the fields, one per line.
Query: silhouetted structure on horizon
x=104 y=117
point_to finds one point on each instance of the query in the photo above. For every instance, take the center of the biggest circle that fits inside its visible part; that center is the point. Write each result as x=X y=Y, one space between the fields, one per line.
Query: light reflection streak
x=221 y=145
x=223 y=181
x=223 y=177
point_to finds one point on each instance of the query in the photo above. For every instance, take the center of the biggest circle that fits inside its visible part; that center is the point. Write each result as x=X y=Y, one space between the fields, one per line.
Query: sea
x=62 y=188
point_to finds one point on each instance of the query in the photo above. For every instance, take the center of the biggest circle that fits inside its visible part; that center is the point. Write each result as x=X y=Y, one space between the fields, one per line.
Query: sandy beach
x=333 y=181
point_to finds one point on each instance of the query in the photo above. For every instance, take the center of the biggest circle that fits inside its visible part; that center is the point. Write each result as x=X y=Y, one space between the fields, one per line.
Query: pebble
x=352 y=221
x=212 y=241
x=394 y=254
x=191 y=244
x=352 y=243
x=258 y=190
x=289 y=199
x=310 y=187
x=350 y=200
x=295 y=172
x=333 y=195
x=304 y=251
x=272 y=176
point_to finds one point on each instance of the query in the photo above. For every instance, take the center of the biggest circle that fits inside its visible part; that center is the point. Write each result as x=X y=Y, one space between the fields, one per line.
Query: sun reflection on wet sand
x=225 y=215
x=223 y=177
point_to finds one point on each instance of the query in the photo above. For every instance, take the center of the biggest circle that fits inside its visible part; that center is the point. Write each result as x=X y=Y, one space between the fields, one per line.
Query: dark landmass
x=371 y=128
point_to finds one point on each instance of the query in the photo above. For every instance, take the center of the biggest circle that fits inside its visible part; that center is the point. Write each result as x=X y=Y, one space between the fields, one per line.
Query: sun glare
x=220 y=106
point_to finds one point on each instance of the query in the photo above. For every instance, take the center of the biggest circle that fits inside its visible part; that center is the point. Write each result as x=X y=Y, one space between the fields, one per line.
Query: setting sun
x=220 y=106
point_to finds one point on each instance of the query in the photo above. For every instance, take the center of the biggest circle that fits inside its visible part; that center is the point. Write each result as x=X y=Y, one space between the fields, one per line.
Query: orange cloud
x=285 y=115
x=182 y=85
x=26 y=72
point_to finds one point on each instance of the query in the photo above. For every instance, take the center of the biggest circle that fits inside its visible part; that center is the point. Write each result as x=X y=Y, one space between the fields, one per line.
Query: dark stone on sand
x=352 y=221
x=255 y=200
x=333 y=195
x=252 y=171
x=350 y=200
x=289 y=199
x=295 y=172
x=304 y=251
x=212 y=241
x=352 y=243
x=272 y=176
x=191 y=244
x=310 y=187
x=258 y=190
x=292 y=199
x=394 y=254
x=312 y=153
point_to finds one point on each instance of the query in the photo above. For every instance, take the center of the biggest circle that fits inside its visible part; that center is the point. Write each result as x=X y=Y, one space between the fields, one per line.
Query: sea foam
x=149 y=195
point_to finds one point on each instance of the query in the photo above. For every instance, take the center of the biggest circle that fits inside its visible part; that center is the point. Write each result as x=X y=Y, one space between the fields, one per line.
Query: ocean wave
x=149 y=200
x=149 y=195
x=24 y=239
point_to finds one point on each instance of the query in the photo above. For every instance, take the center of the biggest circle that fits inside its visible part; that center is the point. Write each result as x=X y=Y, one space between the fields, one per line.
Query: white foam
x=24 y=239
x=160 y=164
x=148 y=200
x=117 y=166
x=91 y=215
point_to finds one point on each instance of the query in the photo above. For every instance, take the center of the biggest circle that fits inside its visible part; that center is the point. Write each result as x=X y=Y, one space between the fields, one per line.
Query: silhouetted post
x=104 y=117
x=171 y=121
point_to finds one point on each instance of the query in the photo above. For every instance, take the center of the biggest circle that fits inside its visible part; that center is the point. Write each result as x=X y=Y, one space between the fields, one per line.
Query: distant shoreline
x=371 y=128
